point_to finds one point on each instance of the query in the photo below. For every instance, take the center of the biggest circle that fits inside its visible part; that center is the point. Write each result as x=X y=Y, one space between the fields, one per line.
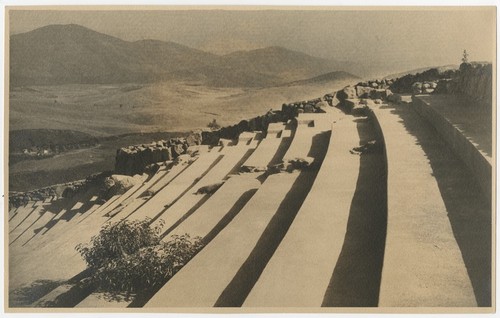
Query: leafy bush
x=130 y=256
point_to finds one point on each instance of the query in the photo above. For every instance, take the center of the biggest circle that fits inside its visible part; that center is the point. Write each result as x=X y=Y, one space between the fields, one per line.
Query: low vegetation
x=130 y=256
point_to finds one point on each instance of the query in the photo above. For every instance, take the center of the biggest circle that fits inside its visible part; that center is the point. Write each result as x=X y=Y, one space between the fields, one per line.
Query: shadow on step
x=355 y=281
x=25 y=296
x=238 y=289
x=468 y=209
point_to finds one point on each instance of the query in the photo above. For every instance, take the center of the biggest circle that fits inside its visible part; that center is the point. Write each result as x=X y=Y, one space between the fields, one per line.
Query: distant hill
x=58 y=54
x=224 y=45
x=325 y=78
x=280 y=62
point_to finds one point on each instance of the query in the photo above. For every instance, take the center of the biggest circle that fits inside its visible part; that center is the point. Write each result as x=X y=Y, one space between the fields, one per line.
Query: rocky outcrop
x=119 y=184
x=404 y=84
x=134 y=159
x=475 y=82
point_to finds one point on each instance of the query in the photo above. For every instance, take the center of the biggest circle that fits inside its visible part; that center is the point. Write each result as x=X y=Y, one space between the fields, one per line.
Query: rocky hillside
x=58 y=54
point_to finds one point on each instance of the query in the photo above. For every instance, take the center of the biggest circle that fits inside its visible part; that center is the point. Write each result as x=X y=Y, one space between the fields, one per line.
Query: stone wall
x=460 y=145
x=134 y=159
x=65 y=190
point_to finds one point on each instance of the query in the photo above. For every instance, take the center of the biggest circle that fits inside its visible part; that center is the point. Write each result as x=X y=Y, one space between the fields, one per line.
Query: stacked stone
x=424 y=87
x=376 y=84
x=133 y=160
x=374 y=90
x=292 y=110
x=259 y=123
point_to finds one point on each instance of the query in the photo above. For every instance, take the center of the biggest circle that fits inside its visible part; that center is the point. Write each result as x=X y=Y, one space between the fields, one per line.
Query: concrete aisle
x=423 y=264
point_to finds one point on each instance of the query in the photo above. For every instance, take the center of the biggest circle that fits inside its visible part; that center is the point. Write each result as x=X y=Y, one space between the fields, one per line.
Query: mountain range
x=64 y=54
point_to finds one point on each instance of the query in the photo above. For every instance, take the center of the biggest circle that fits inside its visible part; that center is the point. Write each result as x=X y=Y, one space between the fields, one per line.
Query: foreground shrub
x=130 y=256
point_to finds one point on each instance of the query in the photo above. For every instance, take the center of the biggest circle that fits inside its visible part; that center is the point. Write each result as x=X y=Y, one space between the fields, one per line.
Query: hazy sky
x=396 y=40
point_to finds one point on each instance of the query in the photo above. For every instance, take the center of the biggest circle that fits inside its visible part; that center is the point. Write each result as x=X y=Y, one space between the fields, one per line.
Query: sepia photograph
x=249 y=159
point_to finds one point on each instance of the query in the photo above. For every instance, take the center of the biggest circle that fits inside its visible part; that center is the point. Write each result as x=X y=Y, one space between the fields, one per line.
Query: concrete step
x=224 y=271
x=266 y=150
x=66 y=217
x=202 y=281
x=52 y=295
x=22 y=213
x=220 y=208
x=299 y=272
x=177 y=187
x=188 y=203
x=307 y=128
x=128 y=207
x=26 y=223
x=423 y=264
x=103 y=300
x=134 y=191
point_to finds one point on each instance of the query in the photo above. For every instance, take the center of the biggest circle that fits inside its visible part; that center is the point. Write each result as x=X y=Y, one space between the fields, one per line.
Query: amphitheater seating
x=189 y=201
x=176 y=187
x=203 y=282
x=299 y=272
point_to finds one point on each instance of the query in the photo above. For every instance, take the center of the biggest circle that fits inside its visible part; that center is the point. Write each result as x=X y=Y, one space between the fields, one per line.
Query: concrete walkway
x=299 y=271
x=423 y=264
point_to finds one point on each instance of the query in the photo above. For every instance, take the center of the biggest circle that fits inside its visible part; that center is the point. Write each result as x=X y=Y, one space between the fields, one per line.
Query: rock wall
x=475 y=82
x=259 y=123
x=65 y=190
x=134 y=159
x=405 y=84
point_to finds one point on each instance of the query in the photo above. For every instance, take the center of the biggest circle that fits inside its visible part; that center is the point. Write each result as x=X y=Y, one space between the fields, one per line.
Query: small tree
x=465 y=57
x=130 y=256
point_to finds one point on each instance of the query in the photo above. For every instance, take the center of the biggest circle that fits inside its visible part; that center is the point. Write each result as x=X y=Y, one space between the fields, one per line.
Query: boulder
x=334 y=101
x=298 y=163
x=348 y=92
x=194 y=138
x=209 y=189
x=378 y=94
x=363 y=91
x=119 y=184
x=308 y=108
x=177 y=150
x=183 y=158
